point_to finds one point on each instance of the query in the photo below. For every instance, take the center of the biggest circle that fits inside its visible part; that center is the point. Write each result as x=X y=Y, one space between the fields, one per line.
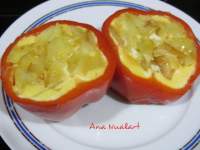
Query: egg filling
x=153 y=45
x=50 y=64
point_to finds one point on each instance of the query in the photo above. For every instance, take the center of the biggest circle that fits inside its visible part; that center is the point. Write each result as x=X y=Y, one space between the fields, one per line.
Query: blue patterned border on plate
x=9 y=103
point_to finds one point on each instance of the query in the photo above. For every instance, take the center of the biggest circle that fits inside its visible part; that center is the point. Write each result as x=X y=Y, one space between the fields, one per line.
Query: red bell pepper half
x=69 y=103
x=137 y=89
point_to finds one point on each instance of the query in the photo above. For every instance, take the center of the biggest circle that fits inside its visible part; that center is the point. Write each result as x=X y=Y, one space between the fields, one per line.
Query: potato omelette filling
x=153 y=45
x=53 y=62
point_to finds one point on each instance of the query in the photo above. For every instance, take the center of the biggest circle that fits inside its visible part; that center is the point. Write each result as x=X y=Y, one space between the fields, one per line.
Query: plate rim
x=196 y=136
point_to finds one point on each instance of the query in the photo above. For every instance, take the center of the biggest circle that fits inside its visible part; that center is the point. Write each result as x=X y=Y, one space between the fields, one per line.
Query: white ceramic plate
x=169 y=127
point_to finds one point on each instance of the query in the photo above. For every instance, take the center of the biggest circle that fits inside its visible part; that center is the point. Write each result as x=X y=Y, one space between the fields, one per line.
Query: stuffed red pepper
x=158 y=55
x=57 y=67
